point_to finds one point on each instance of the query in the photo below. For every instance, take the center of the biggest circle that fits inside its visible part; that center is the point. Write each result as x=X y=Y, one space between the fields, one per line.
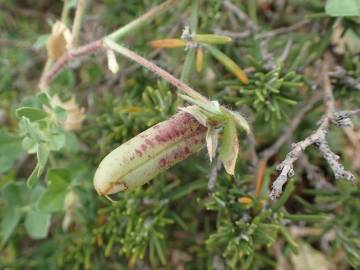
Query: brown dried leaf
x=75 y=114
x=309 y=258
x=59 y=41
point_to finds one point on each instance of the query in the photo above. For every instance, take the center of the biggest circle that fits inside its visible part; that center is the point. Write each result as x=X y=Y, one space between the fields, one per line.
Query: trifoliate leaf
x=37 y=224
x=343 y=8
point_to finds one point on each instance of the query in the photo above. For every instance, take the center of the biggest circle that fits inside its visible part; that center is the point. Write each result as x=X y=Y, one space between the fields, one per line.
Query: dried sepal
x=70 y=203
x=75 y=114
x=59 y=41
x=111 y=61
x=212 y=139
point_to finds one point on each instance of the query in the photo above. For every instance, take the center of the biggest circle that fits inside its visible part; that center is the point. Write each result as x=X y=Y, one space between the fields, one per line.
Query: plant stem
x=51 y=71
x=157 y=70
x=141 y=20
x=66 y=58
x=79 y=14
x=65 y=12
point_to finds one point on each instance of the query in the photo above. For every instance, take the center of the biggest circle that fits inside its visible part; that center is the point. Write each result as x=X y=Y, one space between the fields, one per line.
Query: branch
x=341 y=74
x=71 y=55
x=241 y=15
x=141 y=20
x=281 y=30
x=304 y=108
x=157 y=70
x=79 y=14
x=318 y=139
x=65 y=59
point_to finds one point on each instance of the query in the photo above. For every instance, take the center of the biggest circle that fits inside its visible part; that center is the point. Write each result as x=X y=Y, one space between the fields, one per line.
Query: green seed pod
x=139 y=160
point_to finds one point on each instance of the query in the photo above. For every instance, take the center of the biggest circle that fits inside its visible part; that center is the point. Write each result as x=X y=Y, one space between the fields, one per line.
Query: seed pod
x=137 y=161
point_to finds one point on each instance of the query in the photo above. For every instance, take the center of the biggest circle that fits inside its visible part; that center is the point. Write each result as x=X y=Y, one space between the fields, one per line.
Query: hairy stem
x=141 y=20
x=157 y=70
x=79 y=14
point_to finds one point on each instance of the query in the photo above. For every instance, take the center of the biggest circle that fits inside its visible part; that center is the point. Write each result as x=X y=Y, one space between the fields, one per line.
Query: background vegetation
x=52 y=142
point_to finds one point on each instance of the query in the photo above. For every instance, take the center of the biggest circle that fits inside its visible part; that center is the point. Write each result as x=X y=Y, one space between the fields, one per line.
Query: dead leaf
x=309 y=258
x=340 y=40
x=75 y=114
x=59 y=41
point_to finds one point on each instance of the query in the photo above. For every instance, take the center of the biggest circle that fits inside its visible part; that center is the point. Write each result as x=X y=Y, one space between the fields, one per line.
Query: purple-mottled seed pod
x=158 y=148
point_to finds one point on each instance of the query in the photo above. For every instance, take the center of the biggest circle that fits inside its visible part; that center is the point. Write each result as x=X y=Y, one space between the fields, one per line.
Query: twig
x=157 y=70
x=49 y=74
x=313 y=173
x=268 y=57
x=141 y=20
x=304 y=108
x=252 y=143
x=266 y=154
x=281 y=30
x=234 y=35
x=65 y=11
x=318 y=139
x=355 y=141
x=341 y=74
x=215 y=167
x=241 y=15
x=66 y=58
x=286 y=51
x=79 y=14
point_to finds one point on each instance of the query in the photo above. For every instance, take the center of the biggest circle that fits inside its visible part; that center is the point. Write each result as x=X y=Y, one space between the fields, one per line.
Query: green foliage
x=343 y=7
x=270 y=95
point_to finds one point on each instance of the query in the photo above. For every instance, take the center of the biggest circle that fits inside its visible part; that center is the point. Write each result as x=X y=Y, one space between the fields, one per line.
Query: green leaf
x=239 y=120
x=9 y=221
x=229 y=147
x=13 y=194
x=37 y=224
x=44 y=99
x=31 y=129
x=42 y=155
x=57 y=141
x=53 y=199
x=60 y=114
x=34 y=176
x=10 y=150
x=228 y=63
x=343 y=8
x=29 y=145
x=33 y=114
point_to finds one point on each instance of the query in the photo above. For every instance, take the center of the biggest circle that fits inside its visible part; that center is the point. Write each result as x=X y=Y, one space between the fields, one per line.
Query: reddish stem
x=66 y=58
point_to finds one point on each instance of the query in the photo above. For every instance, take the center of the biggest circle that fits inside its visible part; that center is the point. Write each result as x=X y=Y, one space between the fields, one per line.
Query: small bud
x=158 y=148
x=245 y=200
x=112 y=63
x=199 y=59
x=168 y=43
